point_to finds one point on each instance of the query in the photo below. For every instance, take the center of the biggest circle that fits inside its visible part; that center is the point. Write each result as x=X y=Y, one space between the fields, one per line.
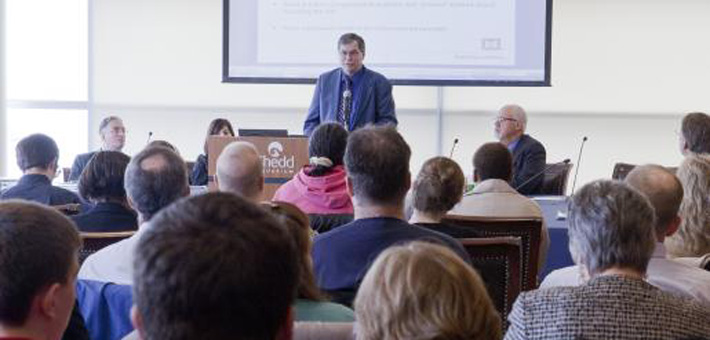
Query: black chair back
x=93 y=242
x=527 y=229
x=498 y=261
x=555 y=179
x=325 y=222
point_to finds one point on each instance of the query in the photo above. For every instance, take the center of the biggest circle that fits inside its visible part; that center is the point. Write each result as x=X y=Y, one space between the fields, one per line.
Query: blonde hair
x=423 y=291
x=693 y=236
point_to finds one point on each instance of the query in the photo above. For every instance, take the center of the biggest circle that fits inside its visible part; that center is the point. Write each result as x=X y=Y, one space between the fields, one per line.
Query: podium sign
x=281 y=158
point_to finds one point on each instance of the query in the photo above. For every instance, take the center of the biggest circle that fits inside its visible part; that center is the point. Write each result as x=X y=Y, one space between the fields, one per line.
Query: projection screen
x=411 y=42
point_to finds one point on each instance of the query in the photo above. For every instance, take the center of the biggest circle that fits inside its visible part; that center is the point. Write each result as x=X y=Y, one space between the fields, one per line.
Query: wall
x=3 y=124
x=624 y=72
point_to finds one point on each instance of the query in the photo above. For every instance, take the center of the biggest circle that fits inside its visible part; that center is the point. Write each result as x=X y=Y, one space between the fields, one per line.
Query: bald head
x=239 y=171
x=665 y=192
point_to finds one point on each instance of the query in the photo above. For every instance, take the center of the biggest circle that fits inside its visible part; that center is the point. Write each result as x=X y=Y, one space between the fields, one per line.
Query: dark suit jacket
x=342 y=256
x=375 y=103
x=38 y=188
x=199 y=171
x=529 y=159
x=79 y=164
x=106 y=217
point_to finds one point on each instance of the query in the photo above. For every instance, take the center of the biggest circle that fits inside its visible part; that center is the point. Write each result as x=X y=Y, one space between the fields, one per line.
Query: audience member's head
x=215 y=266
x=693 y=236
x=113 y=133
x=492 y=161
x=37 y=153
x=218 y=127
x=239 y=170
x=299 y=228
x=38 y=266
x=102 y=178
x=377 y=163
x=611 y=226
x=326 y=148
x=438 y=187
x=423 y=291
x=695 y=133
x=510 y=123
x=160 y=143
x=664 y=191
x=154 y=178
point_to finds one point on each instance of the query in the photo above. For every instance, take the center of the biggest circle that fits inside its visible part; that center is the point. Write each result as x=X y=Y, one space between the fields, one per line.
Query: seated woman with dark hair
x=101 y=183
x=218 y=127
x=319 y=188
x=311 y=304
x=436 y=190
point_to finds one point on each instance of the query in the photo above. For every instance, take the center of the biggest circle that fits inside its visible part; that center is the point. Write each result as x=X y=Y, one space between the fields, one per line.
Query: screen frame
x=546 y=82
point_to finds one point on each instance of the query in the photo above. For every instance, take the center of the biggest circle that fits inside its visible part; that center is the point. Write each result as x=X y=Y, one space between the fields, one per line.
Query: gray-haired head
x=663 y=190
x=155 y=178
x=518 y=113
x=611 y=226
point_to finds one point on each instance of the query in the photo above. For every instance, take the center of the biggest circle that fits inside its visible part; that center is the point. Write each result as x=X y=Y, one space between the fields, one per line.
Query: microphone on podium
x=566 y=161
x=579 y=159
x=150 y=135
x=456 y=142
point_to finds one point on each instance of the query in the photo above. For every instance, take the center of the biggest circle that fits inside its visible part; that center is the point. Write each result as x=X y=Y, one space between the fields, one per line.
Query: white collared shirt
x=668 y=275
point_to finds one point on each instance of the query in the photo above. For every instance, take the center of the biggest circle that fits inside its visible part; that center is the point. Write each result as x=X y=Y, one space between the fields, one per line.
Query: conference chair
x=68 y=209
x=622 y=169
x=527 y=229
x=326 y=222
x=497 y=260
x=555 y=179
x=93 y=242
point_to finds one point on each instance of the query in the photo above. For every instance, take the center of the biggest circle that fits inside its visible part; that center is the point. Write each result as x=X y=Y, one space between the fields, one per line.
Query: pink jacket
x=317 y=195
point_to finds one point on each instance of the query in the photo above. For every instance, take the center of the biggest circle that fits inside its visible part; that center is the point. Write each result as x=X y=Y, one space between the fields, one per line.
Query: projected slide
x=429 y=42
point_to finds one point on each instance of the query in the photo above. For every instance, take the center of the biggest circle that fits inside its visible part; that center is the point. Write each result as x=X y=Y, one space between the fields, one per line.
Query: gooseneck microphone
x=579 y=160
x=453 y=147
x=150 y=135
x=566 y=161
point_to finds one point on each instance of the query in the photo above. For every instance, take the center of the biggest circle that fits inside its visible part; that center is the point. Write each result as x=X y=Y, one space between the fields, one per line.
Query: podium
x=281 y=157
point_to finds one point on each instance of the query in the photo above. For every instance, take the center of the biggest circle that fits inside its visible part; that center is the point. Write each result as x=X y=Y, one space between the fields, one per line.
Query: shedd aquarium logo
x=276 y=162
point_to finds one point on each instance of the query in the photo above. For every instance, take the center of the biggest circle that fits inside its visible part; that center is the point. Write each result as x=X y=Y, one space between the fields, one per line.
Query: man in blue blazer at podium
x=352 y=94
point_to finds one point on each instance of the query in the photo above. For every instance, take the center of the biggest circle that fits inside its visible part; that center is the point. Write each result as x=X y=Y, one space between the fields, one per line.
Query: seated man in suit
x=113 y=137
x=611 y=240
x=239 y=171
x=215 y=266
x=352 y=94
x=665 y=193
x=377 y=164
x=37 y=157
x=155 y=178
x=529 y=155
x=494 y=197
x=694 y=134
x=38 y=264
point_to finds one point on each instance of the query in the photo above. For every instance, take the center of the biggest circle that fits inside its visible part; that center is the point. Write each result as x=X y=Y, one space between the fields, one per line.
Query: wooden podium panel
x=281 y=157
